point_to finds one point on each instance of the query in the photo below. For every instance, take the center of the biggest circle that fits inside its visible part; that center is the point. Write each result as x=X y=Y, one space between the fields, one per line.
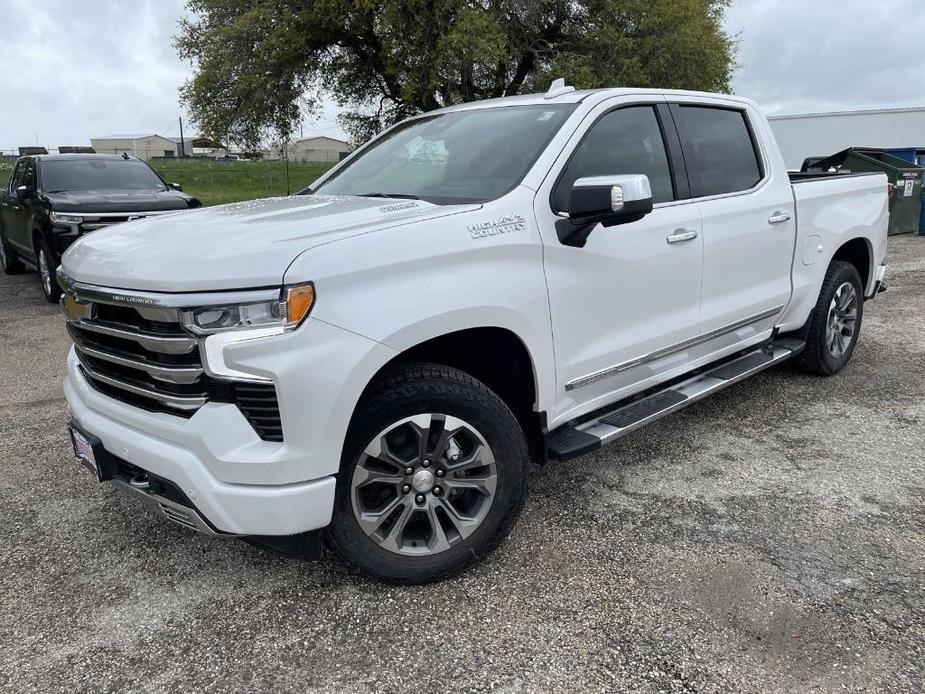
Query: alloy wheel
x=842 y=320
x=424 y=484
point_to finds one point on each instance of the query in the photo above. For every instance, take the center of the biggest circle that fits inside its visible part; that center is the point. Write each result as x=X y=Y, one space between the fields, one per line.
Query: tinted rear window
x=718 y=149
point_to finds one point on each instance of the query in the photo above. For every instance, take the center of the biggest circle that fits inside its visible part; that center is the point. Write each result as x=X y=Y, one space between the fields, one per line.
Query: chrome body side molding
x=672 y=349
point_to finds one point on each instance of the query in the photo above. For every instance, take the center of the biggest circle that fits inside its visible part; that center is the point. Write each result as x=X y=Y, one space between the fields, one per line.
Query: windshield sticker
x=502 y=225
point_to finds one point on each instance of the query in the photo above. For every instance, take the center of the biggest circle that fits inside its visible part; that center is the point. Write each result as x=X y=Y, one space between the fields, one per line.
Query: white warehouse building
x=143 y=146
x=318 y=148
x=821 y=134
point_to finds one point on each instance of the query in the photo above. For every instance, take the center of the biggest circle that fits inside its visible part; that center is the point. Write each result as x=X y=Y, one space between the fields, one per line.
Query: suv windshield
x=60 y=175
x=463 y=156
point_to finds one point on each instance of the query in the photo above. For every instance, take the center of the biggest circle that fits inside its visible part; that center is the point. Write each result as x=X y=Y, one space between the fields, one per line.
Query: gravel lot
x=769 y=539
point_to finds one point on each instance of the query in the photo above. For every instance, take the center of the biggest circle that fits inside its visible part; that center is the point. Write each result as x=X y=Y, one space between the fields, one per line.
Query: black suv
x=53 y=199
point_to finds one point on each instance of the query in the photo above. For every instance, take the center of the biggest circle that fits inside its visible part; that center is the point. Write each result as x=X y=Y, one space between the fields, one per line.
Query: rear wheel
x=835 y=323
x=432 y=478
x=9 y=261
x=46 y=267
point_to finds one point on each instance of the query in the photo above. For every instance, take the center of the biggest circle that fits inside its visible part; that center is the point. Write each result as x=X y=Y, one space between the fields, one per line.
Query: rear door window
x=719 y=149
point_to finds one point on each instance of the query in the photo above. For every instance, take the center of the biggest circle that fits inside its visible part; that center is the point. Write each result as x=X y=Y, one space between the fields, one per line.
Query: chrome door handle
x=779 y=218
x=679 y=235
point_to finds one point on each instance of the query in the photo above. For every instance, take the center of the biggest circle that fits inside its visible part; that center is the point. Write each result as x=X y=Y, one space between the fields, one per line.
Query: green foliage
x=260 y=63
x=216 y=183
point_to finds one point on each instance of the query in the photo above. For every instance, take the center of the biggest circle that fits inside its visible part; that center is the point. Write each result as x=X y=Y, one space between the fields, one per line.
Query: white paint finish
x=245 y=244
x=247 y=509
x=748 y=239
x=431 y=278
x=390 y=275
x=812 y=247
x=836 y=211
x=626 y=293
x=822 y=134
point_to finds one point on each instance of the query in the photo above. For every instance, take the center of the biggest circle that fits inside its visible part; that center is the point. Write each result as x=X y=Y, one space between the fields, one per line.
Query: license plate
x=83 y=451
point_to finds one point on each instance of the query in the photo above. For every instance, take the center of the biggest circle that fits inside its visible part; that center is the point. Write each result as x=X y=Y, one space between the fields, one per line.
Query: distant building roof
x=127 y=136
x=856 y=112
x=319 y=137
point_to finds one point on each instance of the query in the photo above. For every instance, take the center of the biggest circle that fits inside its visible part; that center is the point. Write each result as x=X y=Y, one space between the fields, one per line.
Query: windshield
x=462 y=156
x=98 y=174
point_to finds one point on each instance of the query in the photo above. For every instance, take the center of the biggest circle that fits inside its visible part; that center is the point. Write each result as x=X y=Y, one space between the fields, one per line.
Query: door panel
x=627 y=294
x=747 y=212
x=631 y=291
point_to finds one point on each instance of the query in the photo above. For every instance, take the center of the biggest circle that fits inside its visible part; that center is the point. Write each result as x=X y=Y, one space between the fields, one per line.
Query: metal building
x=144 y=146
x=822 y=134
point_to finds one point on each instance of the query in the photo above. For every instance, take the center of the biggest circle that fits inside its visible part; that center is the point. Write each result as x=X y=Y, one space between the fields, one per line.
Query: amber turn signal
x=299 y=302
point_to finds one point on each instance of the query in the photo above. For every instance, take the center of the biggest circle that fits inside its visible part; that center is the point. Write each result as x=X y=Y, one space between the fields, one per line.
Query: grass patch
x=216 y=183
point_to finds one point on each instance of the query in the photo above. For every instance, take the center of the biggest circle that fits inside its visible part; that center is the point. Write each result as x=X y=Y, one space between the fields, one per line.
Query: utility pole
x=182 y=141
x=288 y=192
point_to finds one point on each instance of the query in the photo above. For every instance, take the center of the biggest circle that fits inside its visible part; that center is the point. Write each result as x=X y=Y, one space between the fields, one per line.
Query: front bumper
x=239 y=483
x=239 y=509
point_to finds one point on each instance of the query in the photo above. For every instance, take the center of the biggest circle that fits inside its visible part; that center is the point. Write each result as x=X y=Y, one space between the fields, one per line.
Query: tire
x=819 y=357
x=9 y=261
x=44 y=263
x=475 y=503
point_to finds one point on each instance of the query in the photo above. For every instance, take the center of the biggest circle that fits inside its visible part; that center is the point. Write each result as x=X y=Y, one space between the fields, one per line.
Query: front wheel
x=432 y=478
x=835 y=323
x=46 y=268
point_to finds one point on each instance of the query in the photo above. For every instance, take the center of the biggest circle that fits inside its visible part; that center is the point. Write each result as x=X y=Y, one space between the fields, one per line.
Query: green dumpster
x=906 y=201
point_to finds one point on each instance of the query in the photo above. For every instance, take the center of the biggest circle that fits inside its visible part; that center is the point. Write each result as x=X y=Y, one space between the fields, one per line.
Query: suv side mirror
x=23 y=193
x=175 y=186
x=610 y=200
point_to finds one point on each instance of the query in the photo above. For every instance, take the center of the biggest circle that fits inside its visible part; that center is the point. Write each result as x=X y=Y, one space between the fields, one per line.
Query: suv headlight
x=58 y=218
x=283 y=314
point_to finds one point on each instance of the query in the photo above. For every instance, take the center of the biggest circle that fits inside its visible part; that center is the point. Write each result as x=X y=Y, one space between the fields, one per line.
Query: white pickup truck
x=495 y=283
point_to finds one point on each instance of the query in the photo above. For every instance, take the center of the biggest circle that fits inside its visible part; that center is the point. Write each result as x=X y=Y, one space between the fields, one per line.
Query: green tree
x=261 y=64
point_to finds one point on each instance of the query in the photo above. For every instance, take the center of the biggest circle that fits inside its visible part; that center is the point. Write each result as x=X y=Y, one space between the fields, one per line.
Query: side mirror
x=610 y=200
x=175 y=186
x=23 y=193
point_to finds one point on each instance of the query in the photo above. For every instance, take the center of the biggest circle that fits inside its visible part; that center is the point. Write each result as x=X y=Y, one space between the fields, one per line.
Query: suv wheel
x=46 y=268
x=432 y=478
x=9 y=261
x=835 y=323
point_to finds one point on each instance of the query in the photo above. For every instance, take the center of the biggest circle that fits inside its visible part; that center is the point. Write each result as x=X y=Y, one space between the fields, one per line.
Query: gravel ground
x=771 y=538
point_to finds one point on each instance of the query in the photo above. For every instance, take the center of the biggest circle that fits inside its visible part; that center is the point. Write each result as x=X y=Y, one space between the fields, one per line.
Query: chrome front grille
x=141 y=353
x=132 y=347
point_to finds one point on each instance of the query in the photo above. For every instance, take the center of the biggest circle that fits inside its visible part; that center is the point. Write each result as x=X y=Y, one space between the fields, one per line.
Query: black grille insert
x=257 y=402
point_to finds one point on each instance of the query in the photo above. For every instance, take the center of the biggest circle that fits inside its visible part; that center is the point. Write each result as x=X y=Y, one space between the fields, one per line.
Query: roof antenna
x=125 y=155
x=558 y=88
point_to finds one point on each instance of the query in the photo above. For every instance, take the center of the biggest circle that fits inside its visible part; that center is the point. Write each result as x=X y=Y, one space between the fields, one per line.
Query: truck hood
x=236 y=246
x=118 y=200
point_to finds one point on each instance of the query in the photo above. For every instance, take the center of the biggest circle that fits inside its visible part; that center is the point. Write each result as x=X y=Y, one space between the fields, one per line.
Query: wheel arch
x=858 y=252
x=493 y=355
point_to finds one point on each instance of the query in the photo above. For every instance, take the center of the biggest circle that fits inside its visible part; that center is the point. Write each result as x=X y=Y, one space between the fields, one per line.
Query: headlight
x=58 y=218
x=283 y=314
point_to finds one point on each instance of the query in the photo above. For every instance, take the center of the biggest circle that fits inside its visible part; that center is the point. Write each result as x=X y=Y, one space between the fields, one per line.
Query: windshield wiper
x=404 y=196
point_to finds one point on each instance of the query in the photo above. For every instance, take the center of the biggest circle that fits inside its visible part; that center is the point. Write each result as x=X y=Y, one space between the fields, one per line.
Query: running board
x=570 y=441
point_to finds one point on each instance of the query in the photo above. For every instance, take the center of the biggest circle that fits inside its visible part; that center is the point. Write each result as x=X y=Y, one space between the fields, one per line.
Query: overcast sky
x=81 y=68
